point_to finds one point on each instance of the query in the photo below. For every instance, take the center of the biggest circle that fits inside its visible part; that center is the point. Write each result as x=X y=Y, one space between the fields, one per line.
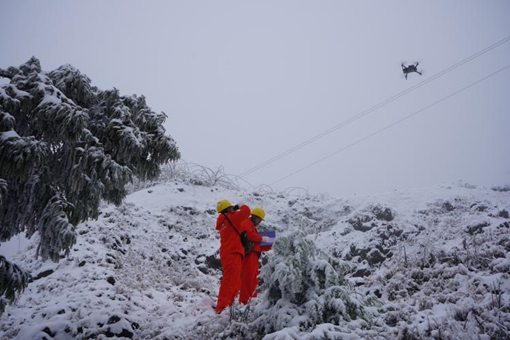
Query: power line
x=373 y=108
x=392 y=124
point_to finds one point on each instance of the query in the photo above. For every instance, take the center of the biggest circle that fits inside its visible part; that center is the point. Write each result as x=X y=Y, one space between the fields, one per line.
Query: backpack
x=247 y=244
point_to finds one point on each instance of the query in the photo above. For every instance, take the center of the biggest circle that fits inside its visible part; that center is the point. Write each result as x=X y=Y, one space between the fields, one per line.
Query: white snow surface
x=144 y=270
x=6 y=135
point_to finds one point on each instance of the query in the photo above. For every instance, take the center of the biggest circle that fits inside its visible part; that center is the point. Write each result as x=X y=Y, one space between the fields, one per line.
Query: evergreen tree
x=66 y=145
x=302 y=290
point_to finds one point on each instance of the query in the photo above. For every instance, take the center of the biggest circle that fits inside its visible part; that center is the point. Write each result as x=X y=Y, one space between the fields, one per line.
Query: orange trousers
x=249 y=277
x=231 y=281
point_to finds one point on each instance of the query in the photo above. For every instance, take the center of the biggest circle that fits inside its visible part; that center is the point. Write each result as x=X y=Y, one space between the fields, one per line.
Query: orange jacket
x=253 y=235
x=230 y=240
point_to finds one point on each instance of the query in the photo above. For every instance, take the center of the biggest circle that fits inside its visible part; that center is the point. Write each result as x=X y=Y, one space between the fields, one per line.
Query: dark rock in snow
x=111 y=280
x=200 y=259
x=383 y=214
x=477 y=229
x=213 y=261
x=392 y=319
x=82 y=263
x=503 y=213
x=375 y=257
x=48 y=331
x=190 y=210
x=391 y=233
x=113 y=319
x=43 y=274
x=448 y=206
x=362 y=253
x=126 y=239
x=362 y=272
x=505 y=243
x=124 y=334
x=206 y=291
x=358 y=225
x=203 y=269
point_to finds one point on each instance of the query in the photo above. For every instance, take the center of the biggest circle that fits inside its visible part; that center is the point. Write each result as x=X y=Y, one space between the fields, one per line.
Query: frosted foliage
x=302 y=289
x=56 y=231
x=58 y=131
x=6 y=121
x=18 y=154
x=12 y=279
x=65 y=146
x=132 y=133
x=75 y=85
x=3 y=190
x=299 y=272
x=196 y=174
x=324 y=331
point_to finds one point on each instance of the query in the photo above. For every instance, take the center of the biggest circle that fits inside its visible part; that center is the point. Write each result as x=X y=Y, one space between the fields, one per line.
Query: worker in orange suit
x=231 y=250
x=250 y=270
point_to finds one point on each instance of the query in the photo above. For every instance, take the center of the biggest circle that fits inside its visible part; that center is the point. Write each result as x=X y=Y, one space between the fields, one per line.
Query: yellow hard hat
x=222 y=205
x=259 y=212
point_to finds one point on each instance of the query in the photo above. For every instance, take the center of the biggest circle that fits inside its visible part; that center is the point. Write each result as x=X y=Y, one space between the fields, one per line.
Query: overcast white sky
x=244 y=81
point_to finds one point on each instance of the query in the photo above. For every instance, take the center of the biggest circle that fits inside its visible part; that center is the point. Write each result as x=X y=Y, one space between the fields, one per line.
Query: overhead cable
x=392 y=124
x=373 y=108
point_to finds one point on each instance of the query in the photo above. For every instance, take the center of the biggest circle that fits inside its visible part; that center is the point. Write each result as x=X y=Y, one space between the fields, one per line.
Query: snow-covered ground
x=427 y=262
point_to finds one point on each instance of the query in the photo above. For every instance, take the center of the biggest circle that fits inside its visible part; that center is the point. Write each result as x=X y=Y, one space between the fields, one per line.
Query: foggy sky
x=244 y=81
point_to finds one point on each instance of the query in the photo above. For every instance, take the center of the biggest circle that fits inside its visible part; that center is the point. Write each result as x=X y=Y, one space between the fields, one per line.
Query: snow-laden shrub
x=302 y=289
x=501 y=188
x=189 y=173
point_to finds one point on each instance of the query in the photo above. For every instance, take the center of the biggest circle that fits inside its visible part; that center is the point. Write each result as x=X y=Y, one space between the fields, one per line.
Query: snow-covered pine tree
x=12 y=280
x=302 y=290
x=66 y=145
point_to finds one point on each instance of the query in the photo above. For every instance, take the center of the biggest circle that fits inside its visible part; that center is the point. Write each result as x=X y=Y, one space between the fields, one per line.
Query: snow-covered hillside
x=425 y=263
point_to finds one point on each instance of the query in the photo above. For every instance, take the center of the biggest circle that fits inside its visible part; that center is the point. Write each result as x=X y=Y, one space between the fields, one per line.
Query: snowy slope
x=435 y=260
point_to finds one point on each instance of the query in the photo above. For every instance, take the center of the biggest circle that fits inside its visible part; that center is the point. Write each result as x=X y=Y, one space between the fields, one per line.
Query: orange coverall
x=250 y=270
x=231 y=255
